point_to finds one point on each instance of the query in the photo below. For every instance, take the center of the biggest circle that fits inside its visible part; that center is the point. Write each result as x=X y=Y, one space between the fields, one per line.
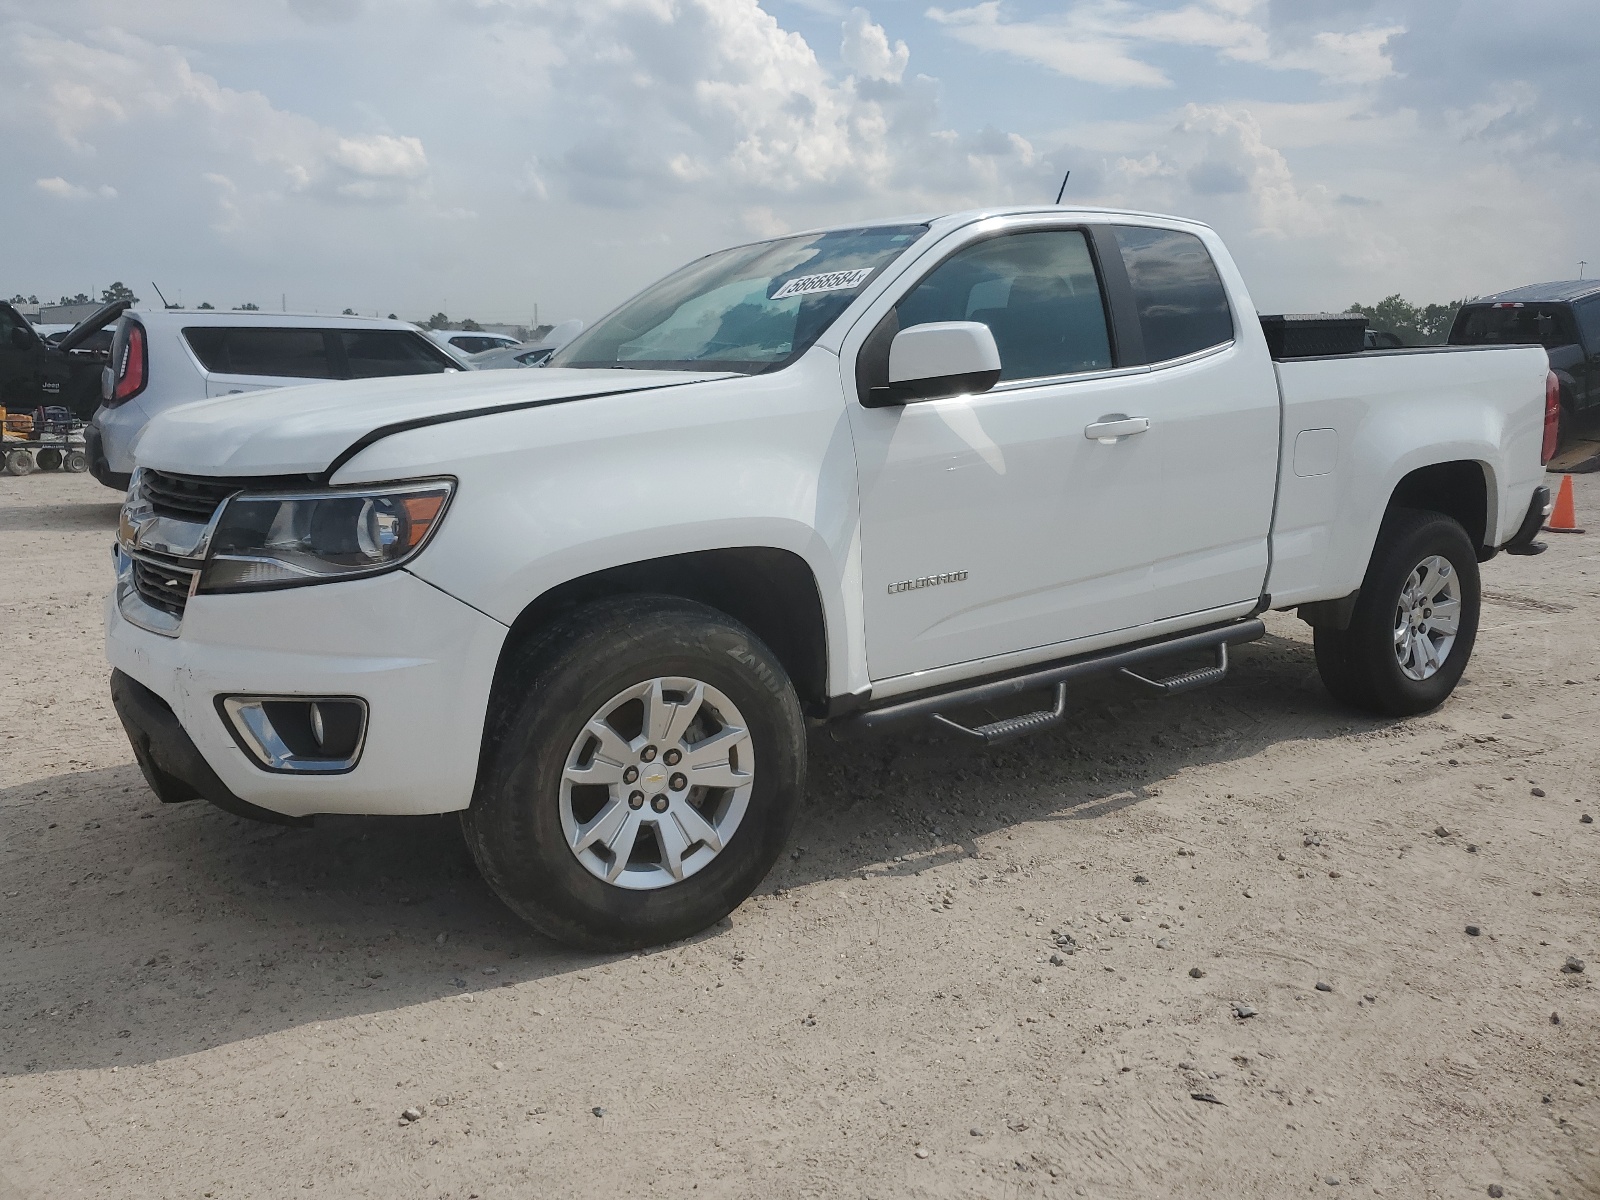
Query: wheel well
x=771 y=591
x=1456 y=489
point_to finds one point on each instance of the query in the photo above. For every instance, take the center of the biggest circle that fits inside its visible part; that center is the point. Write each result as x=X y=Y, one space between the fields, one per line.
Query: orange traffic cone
x=1563 y=519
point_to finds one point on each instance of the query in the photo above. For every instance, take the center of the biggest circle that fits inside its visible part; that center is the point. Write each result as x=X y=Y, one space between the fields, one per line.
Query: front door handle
x=1109 y=431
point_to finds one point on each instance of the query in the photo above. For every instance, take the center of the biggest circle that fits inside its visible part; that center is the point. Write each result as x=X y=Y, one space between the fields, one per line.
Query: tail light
x=126 y=374
x=1552 y=417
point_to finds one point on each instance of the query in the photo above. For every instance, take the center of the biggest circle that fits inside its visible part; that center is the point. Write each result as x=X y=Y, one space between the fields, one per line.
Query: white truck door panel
x=1212 y=463
x=1212 y=402
x=994 y=523
x=1040 y=524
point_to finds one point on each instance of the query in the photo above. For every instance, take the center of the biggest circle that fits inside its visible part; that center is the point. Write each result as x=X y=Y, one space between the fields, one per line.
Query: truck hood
x=305 y=430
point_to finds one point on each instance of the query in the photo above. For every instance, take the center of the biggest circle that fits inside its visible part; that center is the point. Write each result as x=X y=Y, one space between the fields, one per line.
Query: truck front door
x=991 y=523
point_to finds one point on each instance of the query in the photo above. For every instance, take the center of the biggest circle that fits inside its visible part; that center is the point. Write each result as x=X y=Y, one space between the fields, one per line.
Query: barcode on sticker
x=833 y=281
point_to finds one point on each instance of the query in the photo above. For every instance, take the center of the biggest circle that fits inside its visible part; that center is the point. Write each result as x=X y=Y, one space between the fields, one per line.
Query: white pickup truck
x=914 y=470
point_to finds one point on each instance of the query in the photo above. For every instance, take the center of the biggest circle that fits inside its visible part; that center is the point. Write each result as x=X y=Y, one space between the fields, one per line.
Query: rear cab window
x=289 y=353
x=1181 y=304
x=1588 y=314
x=1514 y=324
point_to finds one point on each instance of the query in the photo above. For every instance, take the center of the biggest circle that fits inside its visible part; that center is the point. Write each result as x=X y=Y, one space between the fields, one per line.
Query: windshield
x=749 y=309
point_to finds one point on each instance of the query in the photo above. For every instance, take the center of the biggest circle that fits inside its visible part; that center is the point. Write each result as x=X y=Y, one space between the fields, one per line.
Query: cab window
x=1036 y=291
x=1182 y=305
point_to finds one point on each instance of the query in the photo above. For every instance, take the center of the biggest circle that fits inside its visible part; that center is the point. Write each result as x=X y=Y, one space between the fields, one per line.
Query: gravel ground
x=979 y=974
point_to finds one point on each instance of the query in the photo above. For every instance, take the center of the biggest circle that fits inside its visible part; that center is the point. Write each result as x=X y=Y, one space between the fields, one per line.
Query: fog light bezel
x=247 y=720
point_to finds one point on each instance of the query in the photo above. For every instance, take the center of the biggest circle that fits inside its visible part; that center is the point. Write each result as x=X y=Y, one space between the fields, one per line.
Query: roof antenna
x=1063 y=190
x=164 y=303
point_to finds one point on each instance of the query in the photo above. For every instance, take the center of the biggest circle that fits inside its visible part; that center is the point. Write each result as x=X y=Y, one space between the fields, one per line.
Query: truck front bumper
x=420 y=660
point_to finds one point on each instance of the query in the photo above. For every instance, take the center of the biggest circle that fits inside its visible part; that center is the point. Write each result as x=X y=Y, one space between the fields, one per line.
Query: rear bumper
x=1522 y=542
x=94 y=447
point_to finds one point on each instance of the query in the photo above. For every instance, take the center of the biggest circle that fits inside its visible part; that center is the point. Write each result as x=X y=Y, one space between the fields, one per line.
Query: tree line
x=1415 y=325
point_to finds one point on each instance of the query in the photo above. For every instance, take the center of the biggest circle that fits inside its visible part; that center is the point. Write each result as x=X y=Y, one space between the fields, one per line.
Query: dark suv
x=1564 y=318
x=35 y=372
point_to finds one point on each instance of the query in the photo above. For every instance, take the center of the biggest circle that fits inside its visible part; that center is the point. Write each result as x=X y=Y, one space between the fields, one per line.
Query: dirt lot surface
x=194 y=1005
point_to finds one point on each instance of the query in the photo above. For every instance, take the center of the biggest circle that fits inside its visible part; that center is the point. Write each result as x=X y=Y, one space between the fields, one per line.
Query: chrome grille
x=185 y=497
x=162 y=585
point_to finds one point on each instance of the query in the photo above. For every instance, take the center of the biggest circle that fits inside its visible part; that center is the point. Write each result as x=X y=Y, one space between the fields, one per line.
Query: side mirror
x=943 y=358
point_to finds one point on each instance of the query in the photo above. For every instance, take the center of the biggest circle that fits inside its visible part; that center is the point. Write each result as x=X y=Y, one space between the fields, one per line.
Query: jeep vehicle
x=912 y=471
x=64 y=370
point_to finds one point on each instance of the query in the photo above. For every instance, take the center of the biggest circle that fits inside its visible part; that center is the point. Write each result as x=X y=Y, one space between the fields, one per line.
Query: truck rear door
x=1211 y=455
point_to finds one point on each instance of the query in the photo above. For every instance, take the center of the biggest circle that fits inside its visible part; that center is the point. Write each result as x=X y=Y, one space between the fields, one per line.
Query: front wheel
x=1414 y=624
x=643 y=770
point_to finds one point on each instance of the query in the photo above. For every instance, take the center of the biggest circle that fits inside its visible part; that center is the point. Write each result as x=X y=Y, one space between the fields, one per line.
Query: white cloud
x=563 y=153
x=62 y=190
x=1064 y=45
x=1099 y=41
x=865 y=49
x=381 y=156
x=121 y=86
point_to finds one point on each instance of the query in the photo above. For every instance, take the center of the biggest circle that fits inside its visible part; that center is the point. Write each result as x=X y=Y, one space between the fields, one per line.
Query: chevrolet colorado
x=910 y=470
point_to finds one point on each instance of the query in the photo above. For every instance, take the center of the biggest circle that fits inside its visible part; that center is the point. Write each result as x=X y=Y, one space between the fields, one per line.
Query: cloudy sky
x=484 y=156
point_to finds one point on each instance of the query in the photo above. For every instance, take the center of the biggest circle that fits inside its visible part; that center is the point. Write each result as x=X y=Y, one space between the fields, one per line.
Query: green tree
x=437 y=321
x=349 y=312
x=80 y=298
x=19 y=298
x=118 y=291
x=207 y=304
x=247 y=307
x=1415 y=325
x=471 y=326
x=392 y=317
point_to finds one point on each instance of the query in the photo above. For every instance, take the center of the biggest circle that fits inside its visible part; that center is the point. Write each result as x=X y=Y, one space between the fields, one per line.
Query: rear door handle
x=1110 y=431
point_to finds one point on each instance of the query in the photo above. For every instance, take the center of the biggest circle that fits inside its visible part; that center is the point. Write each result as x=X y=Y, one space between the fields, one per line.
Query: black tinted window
x=1588 y=314
x=292 y=353
x=1179 y=296
x=1037 y=292
x=374 y=352
x=472 y=344
x=1547 y=325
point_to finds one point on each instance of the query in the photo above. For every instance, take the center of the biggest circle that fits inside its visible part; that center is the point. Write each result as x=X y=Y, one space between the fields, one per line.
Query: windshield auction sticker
x=833 y=281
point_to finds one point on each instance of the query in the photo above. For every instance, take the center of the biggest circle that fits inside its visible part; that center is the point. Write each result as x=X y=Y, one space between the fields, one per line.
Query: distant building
x=63 y=314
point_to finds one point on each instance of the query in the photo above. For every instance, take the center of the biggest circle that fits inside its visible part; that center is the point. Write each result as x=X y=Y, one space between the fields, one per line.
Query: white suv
x=470 y=341
x=161 y=358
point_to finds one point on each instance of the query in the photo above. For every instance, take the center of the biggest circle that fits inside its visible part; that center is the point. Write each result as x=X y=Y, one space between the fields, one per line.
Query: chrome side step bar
x=1057 y=676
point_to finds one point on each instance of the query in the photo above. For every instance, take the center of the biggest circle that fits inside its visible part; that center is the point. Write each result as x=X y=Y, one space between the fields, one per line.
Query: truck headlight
x=291 y=539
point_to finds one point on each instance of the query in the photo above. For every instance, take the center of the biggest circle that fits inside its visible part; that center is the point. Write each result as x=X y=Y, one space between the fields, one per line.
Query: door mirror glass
x=942 y=358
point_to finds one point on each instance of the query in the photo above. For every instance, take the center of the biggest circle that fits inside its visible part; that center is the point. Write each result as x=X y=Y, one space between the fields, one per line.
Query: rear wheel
x=19 y=462
x=1414 y=624
x=77 y=461
x=642 y=773
x=49 y=459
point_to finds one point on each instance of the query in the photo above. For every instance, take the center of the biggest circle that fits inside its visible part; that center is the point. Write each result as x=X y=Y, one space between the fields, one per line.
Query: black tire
x=77 y=461
x=1358 y=665
x=19 y=462
x=49 y=459
x=557 y=683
